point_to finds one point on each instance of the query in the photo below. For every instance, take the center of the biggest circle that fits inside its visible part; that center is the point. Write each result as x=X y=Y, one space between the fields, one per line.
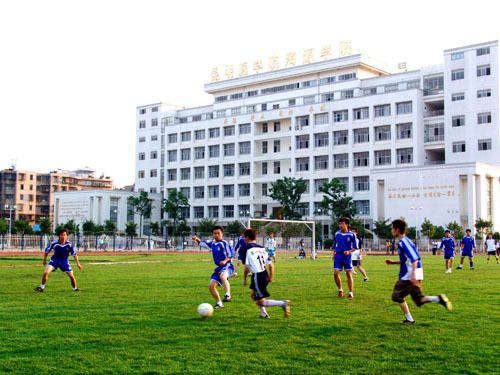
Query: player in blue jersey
x=223 y=255
x=448 y=243
x=411 y=274
x=467 y=245
x=240 y=248
x=345 y=244
x=62 y=250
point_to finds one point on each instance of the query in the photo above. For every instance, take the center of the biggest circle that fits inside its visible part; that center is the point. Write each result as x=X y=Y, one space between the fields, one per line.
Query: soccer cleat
x=458 y=268
x=472 y=268
x=341 y=293
x=217 y=306
x=286 y=308
x=265 y=316
x=76 y=290
x=351 y=296
x=443 y=300
x=354 y=272
x=38 y=289
x=227 y=299
x=366 y=279
x=406 y=321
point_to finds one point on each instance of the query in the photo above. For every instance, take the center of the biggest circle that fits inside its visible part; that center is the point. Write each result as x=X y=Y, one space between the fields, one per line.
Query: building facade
x=374 y=128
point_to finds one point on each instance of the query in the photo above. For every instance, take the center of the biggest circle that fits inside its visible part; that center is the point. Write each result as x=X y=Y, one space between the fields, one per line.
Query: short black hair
x=468 y=230
x=344 y=220
x=250 y=233
x=399 y=224
x=353 y=229
x=447 y=230
x=62 y=230
x=218 y=227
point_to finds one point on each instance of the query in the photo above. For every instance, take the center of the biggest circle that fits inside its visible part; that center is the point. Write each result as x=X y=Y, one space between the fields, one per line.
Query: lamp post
x=419 y=208
x=10 y=207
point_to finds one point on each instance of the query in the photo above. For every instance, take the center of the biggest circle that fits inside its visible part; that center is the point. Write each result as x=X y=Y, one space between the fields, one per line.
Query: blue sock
x=471 y=264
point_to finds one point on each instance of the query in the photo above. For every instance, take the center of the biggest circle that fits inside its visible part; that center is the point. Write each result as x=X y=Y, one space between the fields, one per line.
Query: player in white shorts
x=356 y=255
x=490 y=246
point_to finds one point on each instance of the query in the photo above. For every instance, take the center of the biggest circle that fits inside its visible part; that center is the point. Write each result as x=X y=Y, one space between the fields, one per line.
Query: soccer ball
x=205 y=310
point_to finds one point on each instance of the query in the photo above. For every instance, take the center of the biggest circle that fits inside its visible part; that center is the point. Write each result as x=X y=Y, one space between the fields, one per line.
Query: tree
x=88 y=228
x=427 y=228
x=22 y=227
x=205 y=226
x=234 y=228
x=182 y=227
x=336 y=202
x=173 y=206
x=4 y=226
x=45 y=226
x=439 y=233
x=411 y=232
x=155 y=228
x=99 y=230
x=131 y=229
x=142 y=206
x=482 y=226
x=288 y=191
x=383 y=229
x=109 y=227
x=456 y=230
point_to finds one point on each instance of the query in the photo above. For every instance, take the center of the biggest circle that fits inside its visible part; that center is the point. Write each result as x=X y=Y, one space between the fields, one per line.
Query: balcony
x=434 y=91
x=434 y=113
x=434 y=138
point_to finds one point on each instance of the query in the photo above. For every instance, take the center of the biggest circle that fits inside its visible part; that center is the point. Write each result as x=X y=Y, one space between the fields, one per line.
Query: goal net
x=290 y=235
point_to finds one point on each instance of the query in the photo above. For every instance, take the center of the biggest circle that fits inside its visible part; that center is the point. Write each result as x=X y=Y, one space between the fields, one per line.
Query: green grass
x=141 y=318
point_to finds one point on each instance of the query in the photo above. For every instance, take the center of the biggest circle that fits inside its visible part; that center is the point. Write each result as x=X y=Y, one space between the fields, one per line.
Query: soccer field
x=141 y=318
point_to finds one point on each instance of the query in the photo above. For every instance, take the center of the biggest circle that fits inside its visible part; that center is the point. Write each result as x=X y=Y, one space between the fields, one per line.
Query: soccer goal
x=311 y=225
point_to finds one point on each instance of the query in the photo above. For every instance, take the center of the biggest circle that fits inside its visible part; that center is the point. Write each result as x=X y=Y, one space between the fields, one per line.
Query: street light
x=10 y=207
x=419 y=208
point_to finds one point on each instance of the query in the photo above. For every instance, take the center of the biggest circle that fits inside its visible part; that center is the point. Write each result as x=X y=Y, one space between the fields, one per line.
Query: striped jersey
x=271 y=244
x=220 y=250
x=408 y=254
x=61 y=252
x=469 y=243
x=257 y=258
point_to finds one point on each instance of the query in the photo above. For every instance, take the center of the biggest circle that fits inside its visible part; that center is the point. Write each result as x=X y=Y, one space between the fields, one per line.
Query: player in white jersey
x=490 y=246
x=257 y=259
x=356 y=255
x=271 y=246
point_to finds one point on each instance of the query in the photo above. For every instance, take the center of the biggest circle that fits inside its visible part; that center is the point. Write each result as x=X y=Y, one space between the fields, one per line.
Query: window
x=340 y=137
x=318 y=184
x=458 y=147
x=213 y=191
x=154 y=155
x=457 y=74
x=186 y=191
x=484 y=118
x=277 y=167
x=264 y=190
x=303 y=209
x=229 y=131
x=340 y=116
x=196 y=118
x=214 y=132
x=277 y=145
x=309 y=83
x=252 y=93
x=154 y=122
x=199 y=173
x=236 y=111
x=362 y=207
x=199 y=192
x=320 y=163
x=264 y=127
x=142 y=139
x=383 y=157
x=213 y=151
x=291 y=102
x=199 y=212
x=391 y=88
x=185 y=154
x=263 y=107
x=370 y=91
x=213 y=171
x=236 y=96
x=228 y=191
x=219 y=99
x=229 y=149
x=382 y=110
x=213 y=212
x=251 y=108
x=361 y=113
x=483 y=93
x=142 y=124
x=483 y=51
x=404 y=131
x=340 y=161
x=185 y=137
x=346 y=77
x=483 y=70
x=302 y=142
x=405 y=155
x=301 y=122
x=277 y=126
x=321 y=140
x=321 y=119
x=228 y=211
x=382 y=133
x=244 y=169
x=244 y=190
x=457 y=56
x=199 y=153
x=221 y=113
x=172 y=138
x=484 y=144
x=170 y=121
x=142 y=156
x=327 y=97
x=264 y=167
x=327 y=80
x=362 y=183
x=142 y=111
x=172 y=174
x=154 y=138
x=302 y=164
x=458 y=121
x=361 y=159
x=199 y=134
x=245 y=148
x=309 y=99
x=404 y=108
x=245 y=129
x=276 y=106
x=457 y=97
x=185 y=173
x=140 y=174
x=361 y=135
x=347 y=94
x=264 y=147
x=413 y=84
x=244 y=210
x=228 y=170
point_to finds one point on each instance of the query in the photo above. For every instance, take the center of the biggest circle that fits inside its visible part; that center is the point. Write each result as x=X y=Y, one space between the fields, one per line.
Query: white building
x=101 y=205
x=379 y=131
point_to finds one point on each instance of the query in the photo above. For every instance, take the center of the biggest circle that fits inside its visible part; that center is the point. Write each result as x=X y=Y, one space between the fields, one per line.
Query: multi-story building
x=30 y=194
x=422 y=143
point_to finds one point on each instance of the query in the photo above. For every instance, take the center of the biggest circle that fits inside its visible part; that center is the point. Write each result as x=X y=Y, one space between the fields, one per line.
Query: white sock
x=228 y=295
x=433 y=298
x=459 y=266
x=350 y=293
x=341 y=290
x=409 y=317
x=75 y=288
x=271 y=302
x=263 y=310
x=42 y=286
x=219 y=303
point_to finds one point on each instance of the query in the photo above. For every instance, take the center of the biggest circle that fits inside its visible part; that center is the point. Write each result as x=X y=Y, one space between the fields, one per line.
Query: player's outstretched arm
x=390 y=261
x=78 y=262
x=45 y=259
x=196 y=239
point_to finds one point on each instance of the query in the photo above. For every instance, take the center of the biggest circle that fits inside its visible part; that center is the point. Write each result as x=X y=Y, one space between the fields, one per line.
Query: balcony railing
x=434 y=91
x=439 y=112
x=434 y=138
x=434 y=162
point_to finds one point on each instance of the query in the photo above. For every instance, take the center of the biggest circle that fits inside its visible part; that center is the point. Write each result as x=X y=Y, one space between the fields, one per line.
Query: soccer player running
x=271 y=246
x=449 y=250
x=467 y=245
x=356 y=255
x=223 y=254
x=345 y=245
x=256 y=260
x=240 y=248
x=411 y=274
x=62 y=250
x=490 y=246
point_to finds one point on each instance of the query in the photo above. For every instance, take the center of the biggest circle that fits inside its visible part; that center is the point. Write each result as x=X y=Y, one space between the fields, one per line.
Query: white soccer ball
x=205 y=310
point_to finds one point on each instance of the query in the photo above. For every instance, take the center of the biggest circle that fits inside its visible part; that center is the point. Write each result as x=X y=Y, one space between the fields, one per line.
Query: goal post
x=311 y=225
